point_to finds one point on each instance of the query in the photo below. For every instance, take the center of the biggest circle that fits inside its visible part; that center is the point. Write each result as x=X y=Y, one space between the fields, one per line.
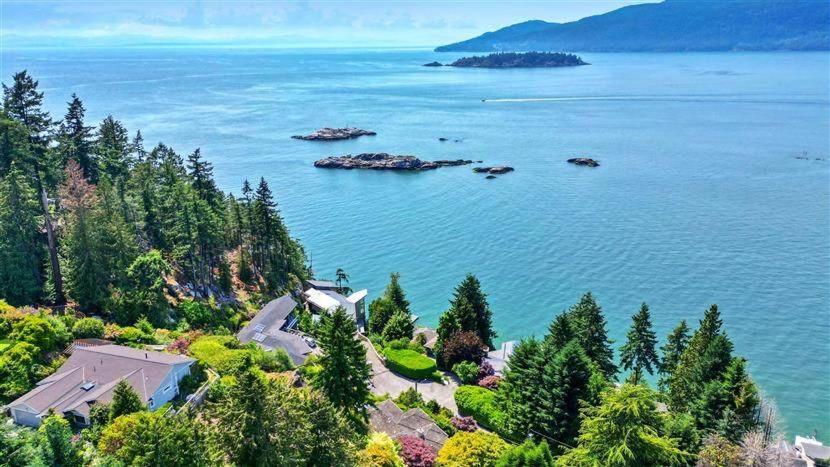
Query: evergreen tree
x=124 y=400
x=624 y=431
x=82 y=252
x=519 y=390
x=259 y=421
x=676 y=343
x=392 y=302
x=638 y=352
x=399 y=327
x=395 y=294
x=137 y=150
x=565 y=388
x=201 y=172
x=589 y=324
x=699 y=363
x=248 y=407
x=75 y=139
x=560 y=333
x=54 y=438
x=21 y=248
x=24 y=103
x=470 y=306
x=527 y=454
x=344 y=377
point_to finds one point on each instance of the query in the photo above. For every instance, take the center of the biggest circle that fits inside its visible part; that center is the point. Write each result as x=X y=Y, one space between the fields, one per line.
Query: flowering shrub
x=464 y=423
x=416 y=452
x=490 y=382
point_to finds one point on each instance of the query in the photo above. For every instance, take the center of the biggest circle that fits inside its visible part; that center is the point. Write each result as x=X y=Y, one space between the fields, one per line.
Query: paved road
x=385 y=381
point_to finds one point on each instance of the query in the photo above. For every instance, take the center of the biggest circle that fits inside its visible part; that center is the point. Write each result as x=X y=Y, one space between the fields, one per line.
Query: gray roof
x=430 y=334
x=267 y=329
x=104 y=366
x=390 y=419
x=321 y=285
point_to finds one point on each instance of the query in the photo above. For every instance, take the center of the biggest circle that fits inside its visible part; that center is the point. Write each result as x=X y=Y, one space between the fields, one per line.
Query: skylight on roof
x=259 y=337
x=88 y=386
x=259 y=327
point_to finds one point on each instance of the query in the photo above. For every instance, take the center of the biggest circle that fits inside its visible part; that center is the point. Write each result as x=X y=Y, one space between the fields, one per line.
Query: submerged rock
x=384 y=161
x=333 y=134
x=584 y=161
x=490 y=177
x=496 y=170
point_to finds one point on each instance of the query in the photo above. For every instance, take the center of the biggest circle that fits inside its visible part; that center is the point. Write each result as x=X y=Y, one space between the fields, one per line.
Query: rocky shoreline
x=385 y=161
x=334 y=134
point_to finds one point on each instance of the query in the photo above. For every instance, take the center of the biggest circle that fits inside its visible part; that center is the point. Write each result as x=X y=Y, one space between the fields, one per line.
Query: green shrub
x=221 y=353
x=480 y=403
x=410 y=363
x=132 y=335
x=467 y=372
x=88 y=328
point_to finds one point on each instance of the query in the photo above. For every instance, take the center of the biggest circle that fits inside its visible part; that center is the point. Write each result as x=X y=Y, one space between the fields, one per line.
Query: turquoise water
x=700 y=198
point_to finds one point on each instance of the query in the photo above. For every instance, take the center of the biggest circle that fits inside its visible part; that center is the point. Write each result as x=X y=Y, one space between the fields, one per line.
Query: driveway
x=384 y=381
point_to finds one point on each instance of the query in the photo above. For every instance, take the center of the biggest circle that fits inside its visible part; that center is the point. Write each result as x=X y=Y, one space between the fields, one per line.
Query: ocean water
x=700 y=198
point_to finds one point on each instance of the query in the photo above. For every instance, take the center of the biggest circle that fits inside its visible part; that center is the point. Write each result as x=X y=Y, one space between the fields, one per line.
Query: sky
x=287 y=23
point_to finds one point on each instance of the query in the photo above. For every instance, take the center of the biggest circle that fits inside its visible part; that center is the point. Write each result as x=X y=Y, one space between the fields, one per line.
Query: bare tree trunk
x=57 y=278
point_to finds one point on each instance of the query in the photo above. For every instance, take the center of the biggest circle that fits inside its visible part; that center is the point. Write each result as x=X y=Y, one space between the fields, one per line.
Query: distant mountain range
x=672 y=26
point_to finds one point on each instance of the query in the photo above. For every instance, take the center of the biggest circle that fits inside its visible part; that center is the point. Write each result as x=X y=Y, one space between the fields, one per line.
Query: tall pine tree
x=345 y=375
x=590 y=330
x=639 y=351
x=676 y=343
x=24 y=103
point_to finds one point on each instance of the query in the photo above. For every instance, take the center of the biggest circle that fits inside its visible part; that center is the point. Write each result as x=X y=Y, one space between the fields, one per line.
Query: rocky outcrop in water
x=496 y=170
x=433 y=64
x=584 y=161
x=334 y=134
x=384 y=161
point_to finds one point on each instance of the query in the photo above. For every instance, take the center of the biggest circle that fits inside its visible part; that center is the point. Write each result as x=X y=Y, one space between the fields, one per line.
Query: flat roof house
x=90 y=375
x=326 y=301
x=270 y=329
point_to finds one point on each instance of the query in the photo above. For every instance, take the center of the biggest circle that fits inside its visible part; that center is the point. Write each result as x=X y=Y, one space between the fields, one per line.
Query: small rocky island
x=520 y=60
x=433 y=64
x=584 y=161
x=496 y=170
x=384 y=161
x=334 y=134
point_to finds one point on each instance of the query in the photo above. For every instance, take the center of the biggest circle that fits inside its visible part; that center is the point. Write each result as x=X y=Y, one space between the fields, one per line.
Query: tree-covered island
x=520 y=60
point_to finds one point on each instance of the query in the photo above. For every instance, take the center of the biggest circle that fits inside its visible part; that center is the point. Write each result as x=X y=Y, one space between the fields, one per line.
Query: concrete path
x=385 y=381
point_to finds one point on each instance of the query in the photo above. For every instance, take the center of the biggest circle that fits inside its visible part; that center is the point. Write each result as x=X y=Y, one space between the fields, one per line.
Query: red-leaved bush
x=490 y=382
x=485 y=370
x=464 y=423
x=463 y=346
x=179 y=345
x=416 y=452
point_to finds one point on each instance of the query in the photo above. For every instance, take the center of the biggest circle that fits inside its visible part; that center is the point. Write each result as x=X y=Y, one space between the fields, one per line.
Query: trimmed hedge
x=410 y=363
x=480 y=403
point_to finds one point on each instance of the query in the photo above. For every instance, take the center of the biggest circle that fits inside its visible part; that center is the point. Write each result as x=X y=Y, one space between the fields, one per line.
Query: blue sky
x=274 y=23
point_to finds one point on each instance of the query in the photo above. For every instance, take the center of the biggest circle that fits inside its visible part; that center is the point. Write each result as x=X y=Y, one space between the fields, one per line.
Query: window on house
x=167 y=388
